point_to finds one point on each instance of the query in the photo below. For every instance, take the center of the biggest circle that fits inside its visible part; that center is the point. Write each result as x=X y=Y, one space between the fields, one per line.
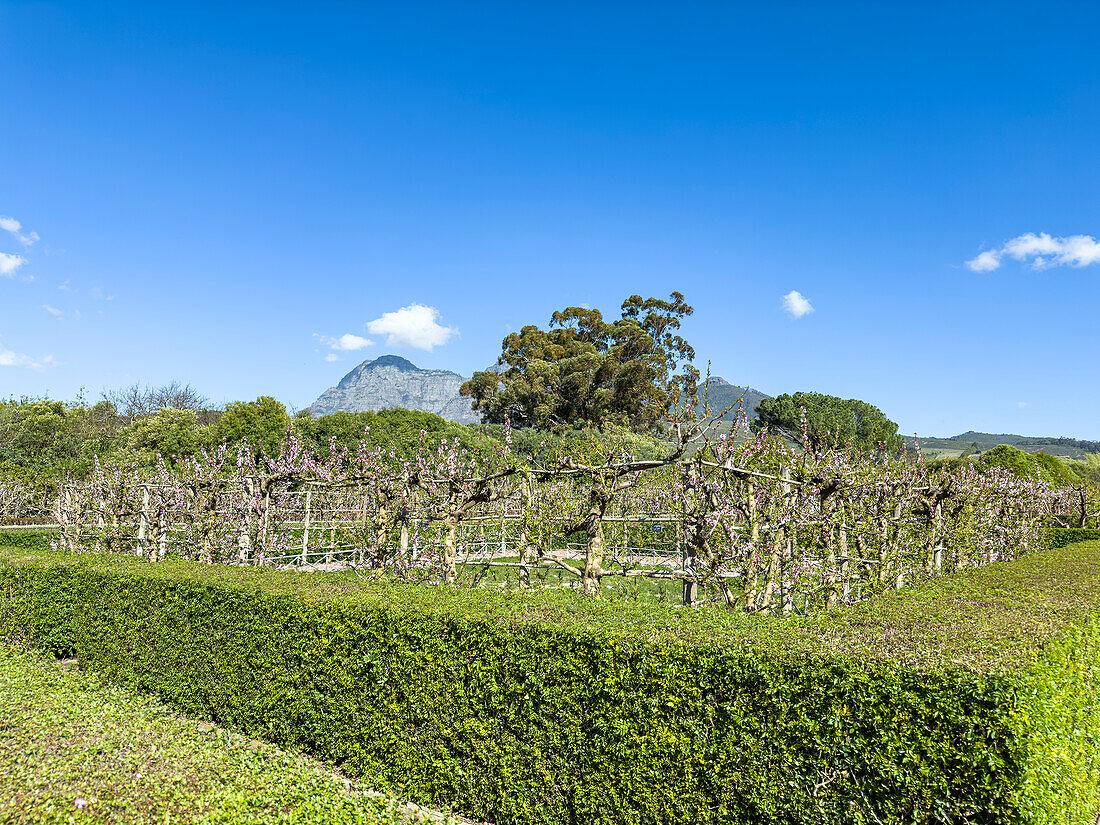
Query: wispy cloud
x=9 y=263
x=54 y=311
x=1043 y=251
x=8 y=358
x=413 y=326
x=331 y=357
x=796 y=304
x=98 y=294
x=16 y=228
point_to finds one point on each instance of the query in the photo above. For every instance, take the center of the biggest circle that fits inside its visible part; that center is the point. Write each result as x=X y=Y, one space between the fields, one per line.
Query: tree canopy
x=829 y=422
x=584 y=371
x=1028 y=465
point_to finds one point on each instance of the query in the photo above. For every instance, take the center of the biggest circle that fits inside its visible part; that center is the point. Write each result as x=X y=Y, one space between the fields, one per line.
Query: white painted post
x=143 y=522
x=263 y=534
x=305 y=529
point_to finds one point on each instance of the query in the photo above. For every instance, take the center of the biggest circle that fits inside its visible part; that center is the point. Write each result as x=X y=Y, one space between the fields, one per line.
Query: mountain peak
x=402 y=364
x=371 y=386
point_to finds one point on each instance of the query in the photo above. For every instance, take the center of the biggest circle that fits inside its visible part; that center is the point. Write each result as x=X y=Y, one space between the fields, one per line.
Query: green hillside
x=976 y=442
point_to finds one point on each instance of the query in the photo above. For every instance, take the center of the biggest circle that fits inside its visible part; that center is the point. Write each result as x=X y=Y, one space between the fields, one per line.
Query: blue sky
x=222 y=193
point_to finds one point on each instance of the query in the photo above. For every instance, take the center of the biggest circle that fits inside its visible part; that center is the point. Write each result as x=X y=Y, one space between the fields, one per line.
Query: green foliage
x=1029 y=465
x=584 y=445
x=23 y=539
x=969 y=699
x=68 y=737
x=169 y=433
x=401 y=430
x=830 y=422
x=1062 y=536
x=1053 y=470
x=1010 y=458
x=51 y=437
x=42 y=441
x=1087 y=469
x=586 y=372
x=263 y=422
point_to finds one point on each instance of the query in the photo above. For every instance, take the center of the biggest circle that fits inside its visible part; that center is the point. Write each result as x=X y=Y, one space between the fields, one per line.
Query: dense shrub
x=969 y=699
x=25 y=539
x=1061 y=536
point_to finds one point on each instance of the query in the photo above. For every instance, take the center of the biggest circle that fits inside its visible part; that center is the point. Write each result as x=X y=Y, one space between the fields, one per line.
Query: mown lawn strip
x=73 y=749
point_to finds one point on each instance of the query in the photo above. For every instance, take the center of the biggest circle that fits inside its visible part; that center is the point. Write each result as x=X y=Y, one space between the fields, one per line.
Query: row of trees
x=52 y=439
x=763 y=525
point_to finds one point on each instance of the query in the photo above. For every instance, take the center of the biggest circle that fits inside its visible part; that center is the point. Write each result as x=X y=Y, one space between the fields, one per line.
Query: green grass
x=74 y=749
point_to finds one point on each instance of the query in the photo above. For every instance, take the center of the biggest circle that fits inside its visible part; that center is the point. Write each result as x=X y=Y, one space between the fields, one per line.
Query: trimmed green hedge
x=21 y=539
x=1061 y=536
x=971 y=699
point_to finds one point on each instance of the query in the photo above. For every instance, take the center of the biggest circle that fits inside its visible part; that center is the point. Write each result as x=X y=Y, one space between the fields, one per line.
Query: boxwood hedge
x=970 y=699
x=1061 y=536
x=24 y=539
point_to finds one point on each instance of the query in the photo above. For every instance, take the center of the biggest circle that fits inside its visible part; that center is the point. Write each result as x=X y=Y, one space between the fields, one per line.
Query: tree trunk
x=381 y=535
x=450 y=550
x=771 y=578
x=593 y=558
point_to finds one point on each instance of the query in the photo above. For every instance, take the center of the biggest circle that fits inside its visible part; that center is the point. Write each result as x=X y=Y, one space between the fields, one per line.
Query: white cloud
x=9 y=263
x=985 y=262
x=1042 y=250
x=14 y=227
x=332 y=356
x=1022 y=404
x=412 y=326
x=54 y=311
x=796 y=305
x=346 y=342
x=18 y=359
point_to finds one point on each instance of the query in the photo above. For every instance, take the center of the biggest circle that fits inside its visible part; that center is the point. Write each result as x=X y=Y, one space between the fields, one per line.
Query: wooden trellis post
x=162 y=536
x=143 y=522
x=363 y=529
x=845 y=573
x=263 y=535
x=748 y=574
x=691 y=584
x=787 y=586
x=305 y=528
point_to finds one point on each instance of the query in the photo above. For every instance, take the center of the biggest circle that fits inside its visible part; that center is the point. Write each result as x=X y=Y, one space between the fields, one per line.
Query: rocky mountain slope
x=721 y=394
x=391 y=381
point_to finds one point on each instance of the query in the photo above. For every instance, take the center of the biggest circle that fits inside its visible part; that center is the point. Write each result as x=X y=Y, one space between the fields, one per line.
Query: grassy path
x=75 y=750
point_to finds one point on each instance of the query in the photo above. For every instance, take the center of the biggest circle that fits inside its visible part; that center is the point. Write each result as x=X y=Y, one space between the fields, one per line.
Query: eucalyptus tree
x=585 y=371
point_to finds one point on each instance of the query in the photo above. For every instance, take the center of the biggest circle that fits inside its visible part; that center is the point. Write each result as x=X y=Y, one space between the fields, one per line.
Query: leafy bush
x=1061 y=536
x=25 y=539
x=1044 y=467
x=969 y=699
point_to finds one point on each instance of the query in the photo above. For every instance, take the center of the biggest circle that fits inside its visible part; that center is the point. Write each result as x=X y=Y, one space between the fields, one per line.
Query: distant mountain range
x=390 y=381
x=972 y=441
